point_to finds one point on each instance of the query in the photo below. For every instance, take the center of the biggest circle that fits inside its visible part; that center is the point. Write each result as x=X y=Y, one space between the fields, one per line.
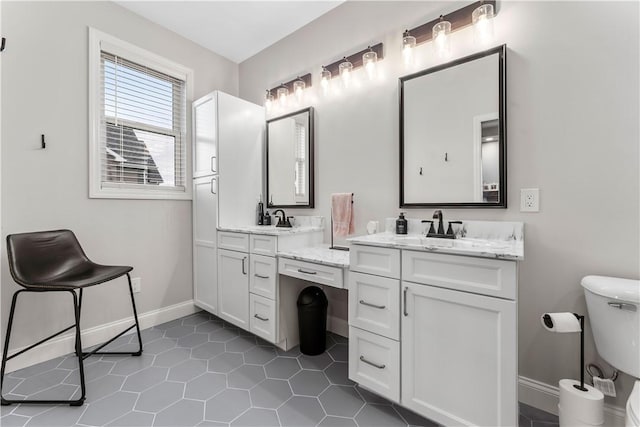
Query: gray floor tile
x=58 y=416
x=330 y=421
x=257 y=418
x=104 y=386
x=195 y=319
x=145 y=379
x=524 y=421
x=412 y=418
x=338 y=373
x=132 y=364
x=293 y=352
x=309 y=383
x=43 y=380
x=169 y=325
x=340 y=352
x=183 y=413
x=319 y=362
x=301 y=411
x=133 y=419
x=372 y=397
x=91 y=372
x=150 y=335
x=535 y=414
x=29 y=410
x=246 y=377
x=159 y=397
x=207 y=350
x=10 y=383
x=172 y=357
x=205 y=386
x=13 y=420
x=282 y=367
x=36 y=369
x=187 y=370
x=108 y=409
x=179 y=331
x=339 y=339
x=208 y=327
x=159 y=346
x=226 y=362
x=537 y=423
x=227 y=405
x=241 y=344
x=260 y=355
x=223 y=335
x=193 y=340
x=206 y=423
x=379 y=416
x=341 y=401
x=60 y=391
x=270 y=394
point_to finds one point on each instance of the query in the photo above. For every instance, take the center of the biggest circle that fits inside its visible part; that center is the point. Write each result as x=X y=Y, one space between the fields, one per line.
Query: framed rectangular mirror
x=453 y=133
x=290 y=160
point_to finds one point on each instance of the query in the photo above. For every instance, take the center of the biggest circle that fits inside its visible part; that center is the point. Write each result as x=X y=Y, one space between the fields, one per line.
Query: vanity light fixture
x=369 y=59
x=283 y=93
x=482 y=19
x=268 y=100
x=298 y=88
x=345 y=69
x=441 y=41
x=345 y=66
x=408 y=43
x=325 y=80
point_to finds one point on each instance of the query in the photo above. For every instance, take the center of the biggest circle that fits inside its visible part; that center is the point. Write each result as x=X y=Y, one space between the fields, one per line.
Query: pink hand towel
x=342 y=214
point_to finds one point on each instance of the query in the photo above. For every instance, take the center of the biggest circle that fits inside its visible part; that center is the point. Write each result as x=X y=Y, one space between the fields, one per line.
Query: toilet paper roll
x=560 y=322
x=580 y=407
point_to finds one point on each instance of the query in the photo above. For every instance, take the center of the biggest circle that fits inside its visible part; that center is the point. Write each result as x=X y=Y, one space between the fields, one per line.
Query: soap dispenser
x=401 y=224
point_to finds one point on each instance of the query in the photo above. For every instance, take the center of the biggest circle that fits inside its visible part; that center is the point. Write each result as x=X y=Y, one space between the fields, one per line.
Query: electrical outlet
x=136 y=284
x=529 y=200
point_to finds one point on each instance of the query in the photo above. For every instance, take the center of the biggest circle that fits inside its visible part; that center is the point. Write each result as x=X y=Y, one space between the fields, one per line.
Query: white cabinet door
x=205 y=219
x=205 y=144
x=459 y=354
x=233 y=287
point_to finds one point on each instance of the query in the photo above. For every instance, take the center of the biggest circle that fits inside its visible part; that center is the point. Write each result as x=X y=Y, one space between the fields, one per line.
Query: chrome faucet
x=282 y=221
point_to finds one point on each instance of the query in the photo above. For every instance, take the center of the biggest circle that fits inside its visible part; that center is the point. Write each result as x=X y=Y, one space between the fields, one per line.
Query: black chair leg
x=4 y=402
x=135 y=317
x=83 y=388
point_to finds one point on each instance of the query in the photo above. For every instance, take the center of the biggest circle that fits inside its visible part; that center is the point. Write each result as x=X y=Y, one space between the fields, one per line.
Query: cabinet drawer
x=374 y=362
x=263 y=245
x=374 y=304
x=233 y=241
x=262 y=317
x=483 y=276
x=323 y=274
x=374 y=260
x=262 y=280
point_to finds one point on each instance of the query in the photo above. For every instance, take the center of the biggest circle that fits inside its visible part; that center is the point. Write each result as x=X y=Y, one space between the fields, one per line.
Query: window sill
x=138 y=195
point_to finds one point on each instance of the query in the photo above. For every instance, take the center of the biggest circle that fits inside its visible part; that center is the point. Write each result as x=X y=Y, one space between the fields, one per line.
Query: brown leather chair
x=53 y=261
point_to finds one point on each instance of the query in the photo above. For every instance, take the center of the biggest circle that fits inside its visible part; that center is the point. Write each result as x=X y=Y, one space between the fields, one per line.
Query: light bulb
x=440 y=37
x=282 y=93
x=325 y=81
x=408 y=43
x=298 y=89
x=482 y=19
x=369 y=60
x=345 y=69
x=268 y=100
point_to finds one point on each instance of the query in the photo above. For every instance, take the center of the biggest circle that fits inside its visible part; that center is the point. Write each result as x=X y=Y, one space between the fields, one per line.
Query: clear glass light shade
x=283 y=94
x=369 y=60
x=441 y=39
x=268 y=100
x=482 y=19
x=408 y=43
x=345 y=68
x=325 y=80
x=298 y=89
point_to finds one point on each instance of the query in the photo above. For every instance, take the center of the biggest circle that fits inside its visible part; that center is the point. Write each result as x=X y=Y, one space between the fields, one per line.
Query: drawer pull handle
x=623 y=306
x=264 y=319
x=261 y=277
x=244 y=271
x=405 y=312
x=306 y=272
x=368 y=304
x=375 y=365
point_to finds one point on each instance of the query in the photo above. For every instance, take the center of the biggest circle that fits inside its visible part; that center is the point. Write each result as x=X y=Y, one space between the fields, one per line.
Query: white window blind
x=142 y=127
x=301 y=162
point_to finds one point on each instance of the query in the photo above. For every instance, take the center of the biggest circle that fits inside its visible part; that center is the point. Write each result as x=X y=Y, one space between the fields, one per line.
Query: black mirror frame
x=502 y=114
x=311 y=151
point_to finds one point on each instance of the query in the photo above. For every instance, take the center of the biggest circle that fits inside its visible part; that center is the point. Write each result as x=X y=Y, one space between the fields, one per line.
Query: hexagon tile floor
x=202 y=371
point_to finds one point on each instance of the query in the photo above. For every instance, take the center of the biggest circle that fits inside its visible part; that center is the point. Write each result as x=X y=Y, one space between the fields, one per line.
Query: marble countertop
x=319 y=254
x=301 y=224
x=488 y=239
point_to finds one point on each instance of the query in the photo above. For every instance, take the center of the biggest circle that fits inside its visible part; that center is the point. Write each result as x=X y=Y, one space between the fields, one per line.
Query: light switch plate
x=529 y=200
x=136 y=284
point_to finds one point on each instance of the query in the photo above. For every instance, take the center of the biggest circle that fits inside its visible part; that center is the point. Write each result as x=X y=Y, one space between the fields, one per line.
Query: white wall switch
x=529 y=200
x=136 y=284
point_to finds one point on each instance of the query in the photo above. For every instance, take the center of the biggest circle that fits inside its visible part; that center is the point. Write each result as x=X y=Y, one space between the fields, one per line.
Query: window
x=139 y=143
x=300 y=164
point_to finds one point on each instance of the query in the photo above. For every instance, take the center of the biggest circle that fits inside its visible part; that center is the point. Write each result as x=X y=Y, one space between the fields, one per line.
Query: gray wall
x=572 y=132
x=44 y=83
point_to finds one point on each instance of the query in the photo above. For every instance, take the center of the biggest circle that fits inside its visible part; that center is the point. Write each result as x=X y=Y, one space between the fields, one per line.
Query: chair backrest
x=39 y=257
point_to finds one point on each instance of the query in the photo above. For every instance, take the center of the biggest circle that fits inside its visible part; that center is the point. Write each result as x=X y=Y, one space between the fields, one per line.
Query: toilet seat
x=633 y=407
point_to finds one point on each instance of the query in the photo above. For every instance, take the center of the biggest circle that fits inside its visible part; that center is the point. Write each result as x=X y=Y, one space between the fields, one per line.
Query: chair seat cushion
x=87 y=274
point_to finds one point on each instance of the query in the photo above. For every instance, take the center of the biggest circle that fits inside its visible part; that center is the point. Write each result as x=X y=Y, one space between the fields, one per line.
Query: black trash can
x=312 y=320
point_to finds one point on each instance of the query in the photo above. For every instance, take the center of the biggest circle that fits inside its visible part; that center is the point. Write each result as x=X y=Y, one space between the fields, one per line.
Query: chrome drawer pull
x=404 y=311
x=306 y=272
x=375 y=365
x=381 y=307
x=261 y=277
x=623 y=306
x=264 y=319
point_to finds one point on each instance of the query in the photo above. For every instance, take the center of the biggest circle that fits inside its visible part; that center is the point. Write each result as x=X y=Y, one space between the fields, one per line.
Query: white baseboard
x=544 y=396
x=98 y=334
x=338 y=326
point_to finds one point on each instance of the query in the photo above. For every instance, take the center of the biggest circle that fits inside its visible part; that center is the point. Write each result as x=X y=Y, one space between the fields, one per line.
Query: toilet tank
x=614 y=312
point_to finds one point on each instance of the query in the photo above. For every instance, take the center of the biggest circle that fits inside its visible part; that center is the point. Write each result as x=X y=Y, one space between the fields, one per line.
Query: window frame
x=99 y=41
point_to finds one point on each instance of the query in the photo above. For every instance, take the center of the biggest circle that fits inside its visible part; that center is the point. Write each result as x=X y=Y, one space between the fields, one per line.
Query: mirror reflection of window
x=490 y=164
x=300 y=162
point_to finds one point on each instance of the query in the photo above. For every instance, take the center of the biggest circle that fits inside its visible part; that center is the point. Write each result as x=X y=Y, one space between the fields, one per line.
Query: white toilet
x=614 y=311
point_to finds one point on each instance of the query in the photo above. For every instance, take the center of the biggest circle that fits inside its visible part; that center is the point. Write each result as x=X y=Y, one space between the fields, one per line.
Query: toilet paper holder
x=548 y=322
